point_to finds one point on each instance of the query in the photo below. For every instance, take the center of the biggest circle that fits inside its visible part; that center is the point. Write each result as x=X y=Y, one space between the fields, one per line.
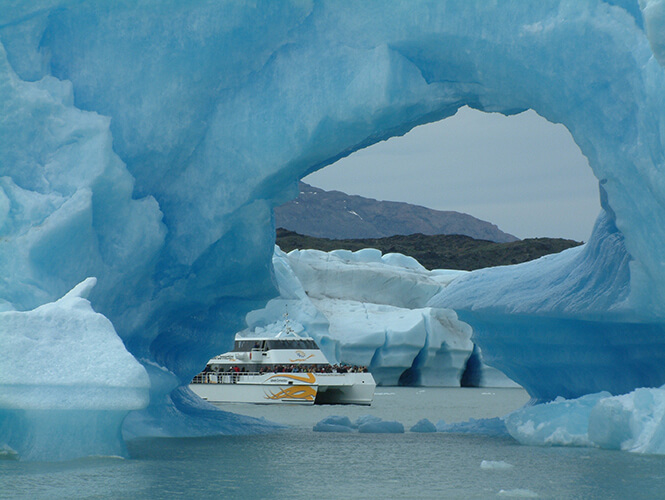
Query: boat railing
x=222 y=378
x=235 y=377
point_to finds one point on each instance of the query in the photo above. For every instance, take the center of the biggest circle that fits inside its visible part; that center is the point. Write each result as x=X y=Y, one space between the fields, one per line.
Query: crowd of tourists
x=211 y=373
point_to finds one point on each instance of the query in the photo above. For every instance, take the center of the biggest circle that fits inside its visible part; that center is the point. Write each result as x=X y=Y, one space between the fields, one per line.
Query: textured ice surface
x=631 y=422
x=66 y=380
x=365 y=424
x=517 y=493
x=65 y=356
x=561 y=422
x=576 y=313
x=381 y=427
x=423 y=425
x=335 y=423
x=368 y=309
x=495 y=465
x=146 y=143
x=483 y=427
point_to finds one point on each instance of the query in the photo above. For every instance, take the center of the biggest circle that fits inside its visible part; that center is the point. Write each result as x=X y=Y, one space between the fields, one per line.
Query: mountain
x=333 y=214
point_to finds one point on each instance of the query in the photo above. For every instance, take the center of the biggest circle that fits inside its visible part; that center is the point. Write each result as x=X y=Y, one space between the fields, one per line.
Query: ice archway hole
x=520 y=172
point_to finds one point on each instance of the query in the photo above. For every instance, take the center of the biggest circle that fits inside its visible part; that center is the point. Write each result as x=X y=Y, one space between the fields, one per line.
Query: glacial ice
x=381 y=427
x=66 y=380
x=146 y=143
x=517 y=493
x=495 y=465
x=365 y=424
x=367 y=309
x=423 y=425
x=334 y=423
x=631 y=422
x=494 y=427
x=561 y=422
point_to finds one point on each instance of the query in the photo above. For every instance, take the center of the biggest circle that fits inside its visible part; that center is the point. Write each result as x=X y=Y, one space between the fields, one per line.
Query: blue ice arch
x=145 y=144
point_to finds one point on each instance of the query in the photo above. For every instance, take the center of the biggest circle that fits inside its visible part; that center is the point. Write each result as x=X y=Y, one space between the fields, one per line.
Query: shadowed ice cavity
x=146 y=144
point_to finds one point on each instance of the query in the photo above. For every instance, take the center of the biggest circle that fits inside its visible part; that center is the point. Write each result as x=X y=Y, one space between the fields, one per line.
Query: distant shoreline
x=443 y=251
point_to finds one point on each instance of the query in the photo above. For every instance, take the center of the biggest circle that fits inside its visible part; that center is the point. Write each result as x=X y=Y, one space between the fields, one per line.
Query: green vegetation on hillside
x=440 y=251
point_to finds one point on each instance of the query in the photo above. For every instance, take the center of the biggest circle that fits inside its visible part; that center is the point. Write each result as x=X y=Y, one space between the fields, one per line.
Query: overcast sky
x=522 y=173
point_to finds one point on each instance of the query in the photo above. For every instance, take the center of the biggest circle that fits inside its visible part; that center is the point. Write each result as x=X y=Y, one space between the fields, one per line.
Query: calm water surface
x=302 y=464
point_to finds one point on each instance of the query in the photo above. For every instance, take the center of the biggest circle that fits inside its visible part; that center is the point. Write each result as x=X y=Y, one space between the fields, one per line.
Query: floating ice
x=364 y=424
x=366 y=419
x=367 y=309
x=145 y=143
x=377 y=317
x=483 y=427
x=334 y=423
x=631 y=422
x=381 y=427
x=7 y=453
x=495 y=465
x=561 y=422
x=517 y=493
x=423 y=425
x=66 y=380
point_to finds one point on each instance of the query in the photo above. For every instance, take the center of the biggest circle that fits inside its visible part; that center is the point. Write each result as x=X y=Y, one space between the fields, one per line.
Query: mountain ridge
x=337 y=215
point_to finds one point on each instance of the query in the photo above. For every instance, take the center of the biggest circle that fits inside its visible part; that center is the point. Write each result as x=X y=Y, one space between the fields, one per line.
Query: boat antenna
x=287 y=330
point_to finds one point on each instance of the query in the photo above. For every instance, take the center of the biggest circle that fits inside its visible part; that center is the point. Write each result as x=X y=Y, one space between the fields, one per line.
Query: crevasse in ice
x=146 y=143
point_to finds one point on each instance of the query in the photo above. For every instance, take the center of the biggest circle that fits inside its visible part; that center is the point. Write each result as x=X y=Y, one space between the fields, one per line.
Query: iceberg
x=631 y=422
x=146 y=144
x=334 y=423
x=381 y=427
x=365 y=424
x=495 y=465
x=368 y=309
x=561 y=422
x=66 y=380
x=423 y=425
x=517 y=493
x=495 y=427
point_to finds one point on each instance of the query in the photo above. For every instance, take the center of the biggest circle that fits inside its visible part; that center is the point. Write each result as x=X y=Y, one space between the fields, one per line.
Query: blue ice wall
x=146 y=143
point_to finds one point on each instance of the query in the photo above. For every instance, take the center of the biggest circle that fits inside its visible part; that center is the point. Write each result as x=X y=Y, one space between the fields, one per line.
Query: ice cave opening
x=520 y=172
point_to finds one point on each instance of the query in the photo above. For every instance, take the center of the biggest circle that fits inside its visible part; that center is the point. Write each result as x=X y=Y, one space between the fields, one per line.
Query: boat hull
x=291 y=388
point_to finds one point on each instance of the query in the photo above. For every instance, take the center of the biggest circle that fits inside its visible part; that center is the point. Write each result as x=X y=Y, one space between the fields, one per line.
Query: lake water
x=298 y=463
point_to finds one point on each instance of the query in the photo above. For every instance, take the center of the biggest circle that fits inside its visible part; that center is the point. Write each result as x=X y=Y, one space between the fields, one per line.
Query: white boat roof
x=280 y=336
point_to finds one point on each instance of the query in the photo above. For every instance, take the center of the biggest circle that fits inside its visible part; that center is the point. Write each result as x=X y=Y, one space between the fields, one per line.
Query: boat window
x=243 y=345
x=248 y=345
x=292 y=344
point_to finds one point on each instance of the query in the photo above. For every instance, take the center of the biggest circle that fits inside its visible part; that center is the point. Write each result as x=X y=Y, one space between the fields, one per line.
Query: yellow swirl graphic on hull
x=308 y=378
x=301 y=359
x=296 y=392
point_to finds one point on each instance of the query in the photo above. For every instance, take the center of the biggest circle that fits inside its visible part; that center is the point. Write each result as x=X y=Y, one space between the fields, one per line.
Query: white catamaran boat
x=283 y=369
